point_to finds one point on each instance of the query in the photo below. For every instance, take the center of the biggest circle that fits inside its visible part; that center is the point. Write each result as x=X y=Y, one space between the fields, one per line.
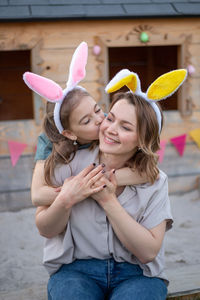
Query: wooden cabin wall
x=52 y=44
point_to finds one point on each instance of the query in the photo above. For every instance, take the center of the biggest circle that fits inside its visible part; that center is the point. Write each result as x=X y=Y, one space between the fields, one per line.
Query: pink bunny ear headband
x=163 y=87
x=51 y=91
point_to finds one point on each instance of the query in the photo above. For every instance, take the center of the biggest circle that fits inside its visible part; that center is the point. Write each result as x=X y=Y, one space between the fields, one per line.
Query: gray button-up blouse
x=88 y=233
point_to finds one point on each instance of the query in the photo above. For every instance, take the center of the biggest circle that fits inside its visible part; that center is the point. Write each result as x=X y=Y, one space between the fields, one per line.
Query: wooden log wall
x=52 y=45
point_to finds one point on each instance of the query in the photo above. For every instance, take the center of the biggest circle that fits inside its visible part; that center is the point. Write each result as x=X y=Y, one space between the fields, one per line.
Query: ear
x=44 y=87
x=166 y=85
x=77 y=67
x=69 y=134
x=122 y=78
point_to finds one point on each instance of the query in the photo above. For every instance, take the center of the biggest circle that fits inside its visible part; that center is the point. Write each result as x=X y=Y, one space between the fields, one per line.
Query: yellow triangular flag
x=195 y=134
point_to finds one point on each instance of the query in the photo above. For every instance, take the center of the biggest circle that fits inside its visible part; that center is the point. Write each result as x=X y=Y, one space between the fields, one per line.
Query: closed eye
x=86 y=122
x=126 y=128
x=98 y=110
x=109 y=119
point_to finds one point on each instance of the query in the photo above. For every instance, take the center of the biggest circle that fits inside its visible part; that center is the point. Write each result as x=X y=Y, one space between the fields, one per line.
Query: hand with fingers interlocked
x=81 y=186
x=109 y=188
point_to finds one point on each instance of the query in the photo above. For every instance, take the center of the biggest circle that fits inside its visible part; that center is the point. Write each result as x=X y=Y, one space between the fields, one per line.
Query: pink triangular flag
x=161 y=152
x=16 y=150
x=179 y=143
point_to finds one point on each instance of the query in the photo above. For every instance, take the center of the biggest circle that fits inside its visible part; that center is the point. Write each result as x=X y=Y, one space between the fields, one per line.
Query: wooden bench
x=184 y=282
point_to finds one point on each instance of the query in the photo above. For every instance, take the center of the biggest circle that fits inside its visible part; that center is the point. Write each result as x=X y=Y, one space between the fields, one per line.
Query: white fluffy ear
x=122 y=78
x=45 y=87
x=77 y=67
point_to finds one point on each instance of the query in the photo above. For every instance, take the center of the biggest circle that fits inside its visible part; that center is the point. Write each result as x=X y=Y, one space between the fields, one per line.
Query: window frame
x=184 y=104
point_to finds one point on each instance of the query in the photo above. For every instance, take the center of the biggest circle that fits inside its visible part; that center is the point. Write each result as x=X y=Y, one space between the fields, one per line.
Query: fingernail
x=113 y=171
x=103 y=171
x=104 y=186
x=94 y=164
x=103 y=165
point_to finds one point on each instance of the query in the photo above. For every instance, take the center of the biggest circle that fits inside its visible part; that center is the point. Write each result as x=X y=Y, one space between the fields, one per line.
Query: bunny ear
x=166 y=85
x=77 y=67
x=46 y=88
x=124 y=77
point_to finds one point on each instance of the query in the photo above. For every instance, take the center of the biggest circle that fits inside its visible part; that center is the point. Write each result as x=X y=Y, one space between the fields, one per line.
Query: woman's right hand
x=77 y=188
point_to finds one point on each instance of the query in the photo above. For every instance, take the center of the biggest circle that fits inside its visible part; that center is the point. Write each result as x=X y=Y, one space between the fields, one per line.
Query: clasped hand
x=90 y=181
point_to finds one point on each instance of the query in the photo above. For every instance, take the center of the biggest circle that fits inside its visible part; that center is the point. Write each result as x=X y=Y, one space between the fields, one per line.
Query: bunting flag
x=16 y=150
x=195 y=135
x=179 y=143
x=161 y=152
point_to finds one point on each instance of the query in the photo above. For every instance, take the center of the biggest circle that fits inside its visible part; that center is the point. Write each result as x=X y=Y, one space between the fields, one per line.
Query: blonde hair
x=145 y=159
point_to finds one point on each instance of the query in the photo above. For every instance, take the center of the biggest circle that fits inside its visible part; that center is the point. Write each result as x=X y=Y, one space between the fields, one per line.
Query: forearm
x=43 y=196
x=136 y=238
x=127 y=176
x=52 y=220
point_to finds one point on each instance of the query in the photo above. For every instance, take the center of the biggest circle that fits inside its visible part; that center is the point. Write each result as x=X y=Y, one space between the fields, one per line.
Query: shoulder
x=43 y=138
x=160 y=185
x=162 y=180
x=86 y=153
x=80 y=161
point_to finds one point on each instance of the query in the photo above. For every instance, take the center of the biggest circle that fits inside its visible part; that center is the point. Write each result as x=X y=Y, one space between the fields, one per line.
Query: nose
x=112 y=129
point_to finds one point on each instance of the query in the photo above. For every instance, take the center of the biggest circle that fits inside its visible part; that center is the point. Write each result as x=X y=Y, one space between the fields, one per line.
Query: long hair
x=63 y=150
x=145 y=159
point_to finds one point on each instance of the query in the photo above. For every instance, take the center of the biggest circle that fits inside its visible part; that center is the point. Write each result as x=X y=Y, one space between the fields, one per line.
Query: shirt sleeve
x=44 y=147
x=158 y=208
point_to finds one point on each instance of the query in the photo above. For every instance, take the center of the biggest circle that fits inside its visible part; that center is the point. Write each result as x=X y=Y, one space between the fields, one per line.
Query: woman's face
x=85 y=120
x=118 y=132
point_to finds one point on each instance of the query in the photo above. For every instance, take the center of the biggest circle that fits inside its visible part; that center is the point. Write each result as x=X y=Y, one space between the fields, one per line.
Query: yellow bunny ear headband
x=163 y=87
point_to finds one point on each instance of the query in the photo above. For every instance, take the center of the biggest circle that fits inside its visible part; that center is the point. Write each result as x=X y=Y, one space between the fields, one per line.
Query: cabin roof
x=33 y=10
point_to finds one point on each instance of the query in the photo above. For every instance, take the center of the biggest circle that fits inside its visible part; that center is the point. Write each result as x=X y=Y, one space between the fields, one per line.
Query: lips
x=110 y=141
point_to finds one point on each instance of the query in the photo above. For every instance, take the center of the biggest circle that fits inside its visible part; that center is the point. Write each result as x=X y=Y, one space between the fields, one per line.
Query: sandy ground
x=23 y=277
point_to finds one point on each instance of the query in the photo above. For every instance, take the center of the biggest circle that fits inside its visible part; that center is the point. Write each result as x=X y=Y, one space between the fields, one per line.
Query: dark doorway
x=148 y=62
x=15 y=98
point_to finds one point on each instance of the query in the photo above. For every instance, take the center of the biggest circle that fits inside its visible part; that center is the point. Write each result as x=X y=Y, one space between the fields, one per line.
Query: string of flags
x=16 y=148
x=179 y=143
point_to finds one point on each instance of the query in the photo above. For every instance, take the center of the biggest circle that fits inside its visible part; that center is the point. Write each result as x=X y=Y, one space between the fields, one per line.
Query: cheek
x=129 y=139
x=103 y=126
x=102 y=116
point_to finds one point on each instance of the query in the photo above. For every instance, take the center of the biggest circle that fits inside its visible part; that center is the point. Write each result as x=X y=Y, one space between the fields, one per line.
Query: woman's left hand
x=109 y=190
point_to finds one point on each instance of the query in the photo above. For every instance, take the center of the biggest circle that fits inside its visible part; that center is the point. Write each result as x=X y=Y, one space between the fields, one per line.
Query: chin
x=107 y=148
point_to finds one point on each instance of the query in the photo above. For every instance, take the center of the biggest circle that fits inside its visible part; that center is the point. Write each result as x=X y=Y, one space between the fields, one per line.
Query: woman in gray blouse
x=110 y=246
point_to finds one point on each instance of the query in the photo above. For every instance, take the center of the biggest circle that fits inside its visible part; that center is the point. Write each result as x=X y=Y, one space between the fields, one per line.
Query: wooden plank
x=63 y=35
x=18 y=36
x=91 y=86
x=175 y=124
x=184 y=280
x=194 y=92
x=19 y=131
x=57 y=61
x=194 y=50
x=189 y=295
x=93 y=89
x=60 y=34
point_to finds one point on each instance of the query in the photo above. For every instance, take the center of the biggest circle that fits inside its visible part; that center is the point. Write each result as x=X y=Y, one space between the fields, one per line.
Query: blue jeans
x=94 y=279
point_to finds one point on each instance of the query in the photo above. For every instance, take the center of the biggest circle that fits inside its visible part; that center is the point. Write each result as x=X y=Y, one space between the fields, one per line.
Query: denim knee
x=141 y=287
x=73 y=285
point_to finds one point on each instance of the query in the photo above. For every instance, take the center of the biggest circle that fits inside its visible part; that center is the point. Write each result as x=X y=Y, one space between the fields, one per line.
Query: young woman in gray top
x=110 y=245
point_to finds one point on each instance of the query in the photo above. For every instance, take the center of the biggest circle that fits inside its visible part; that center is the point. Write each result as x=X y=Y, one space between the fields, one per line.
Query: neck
x=113 y=161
